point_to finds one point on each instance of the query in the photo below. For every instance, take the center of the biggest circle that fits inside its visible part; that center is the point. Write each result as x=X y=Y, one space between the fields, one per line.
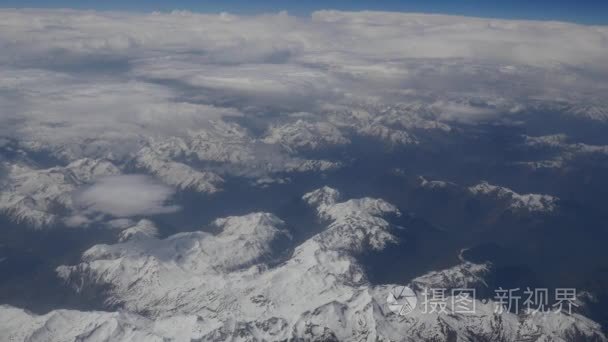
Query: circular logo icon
x=401 y=300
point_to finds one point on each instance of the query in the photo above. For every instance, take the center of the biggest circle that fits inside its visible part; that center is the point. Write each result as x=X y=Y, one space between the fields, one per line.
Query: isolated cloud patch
x=127 y=195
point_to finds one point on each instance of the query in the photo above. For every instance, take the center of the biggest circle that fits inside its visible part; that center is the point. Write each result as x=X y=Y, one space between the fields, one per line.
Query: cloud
x=100 y=84
x=127 y=195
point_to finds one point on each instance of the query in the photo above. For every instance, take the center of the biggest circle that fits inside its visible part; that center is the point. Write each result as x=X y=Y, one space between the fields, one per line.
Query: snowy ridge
x=369 y=123
x=392 y=124
x=434 y=184
x=464 y=275
x=178 y=174
x=528 y=202
x=226 y=147
x=30 y=195
x=196 y=273
x=566 y=152
x=144 y=229
x=500 y=197
x=304 y=135
x=90 y=326
x=367 y=323
x=376 y=118
x=159 y=275
x=220 y=142
x=355 y=224
x=391 y=136
x=323 y=197
x=319 y=293
x=562 y=142
x=307 y=165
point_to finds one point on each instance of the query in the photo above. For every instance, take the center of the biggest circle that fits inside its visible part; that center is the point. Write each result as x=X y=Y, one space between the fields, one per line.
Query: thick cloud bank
x=113 y=80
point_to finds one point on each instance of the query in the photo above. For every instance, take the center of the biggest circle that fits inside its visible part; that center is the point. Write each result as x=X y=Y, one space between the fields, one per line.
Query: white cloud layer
x=100 y=84
x=127 y=195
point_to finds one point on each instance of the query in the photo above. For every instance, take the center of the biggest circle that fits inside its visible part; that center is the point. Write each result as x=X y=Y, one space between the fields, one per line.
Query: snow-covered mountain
x=562 y=152
x=500 y=197
x=241 y=286
x=465 y=275
x=71 y=325
x=304 y=135
x=515 y=201
x=179 y=175
x=144 y=229
x=34 y=196
x=355 y=225
x=228 y=148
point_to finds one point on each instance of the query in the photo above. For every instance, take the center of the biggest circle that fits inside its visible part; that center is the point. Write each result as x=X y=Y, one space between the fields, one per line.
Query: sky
x=579 y=11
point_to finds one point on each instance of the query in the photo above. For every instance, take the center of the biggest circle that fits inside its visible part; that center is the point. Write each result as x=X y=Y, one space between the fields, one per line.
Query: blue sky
x=581 y=11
